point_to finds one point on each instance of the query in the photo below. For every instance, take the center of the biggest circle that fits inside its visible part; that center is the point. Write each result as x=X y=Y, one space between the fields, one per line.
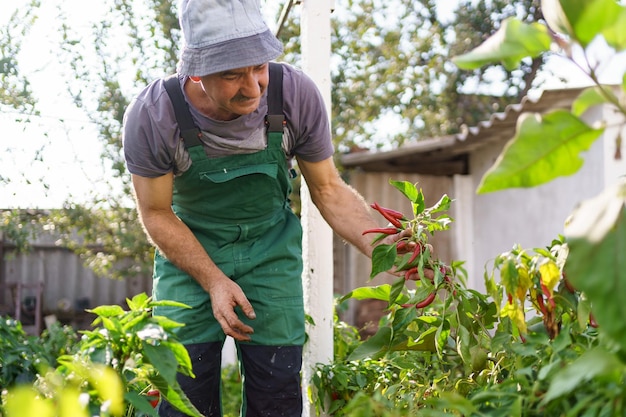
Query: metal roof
x=448 y=155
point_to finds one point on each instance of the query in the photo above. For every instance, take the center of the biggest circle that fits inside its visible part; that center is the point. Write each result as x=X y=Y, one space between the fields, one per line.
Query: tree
x=15 y=90
x=391 y=67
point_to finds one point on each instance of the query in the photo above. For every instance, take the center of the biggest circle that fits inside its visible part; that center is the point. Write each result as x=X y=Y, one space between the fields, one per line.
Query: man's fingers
x=246 y=307
x=234 y=327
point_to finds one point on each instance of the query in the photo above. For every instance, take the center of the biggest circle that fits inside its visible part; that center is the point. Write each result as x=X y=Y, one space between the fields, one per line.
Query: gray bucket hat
x=221 y=35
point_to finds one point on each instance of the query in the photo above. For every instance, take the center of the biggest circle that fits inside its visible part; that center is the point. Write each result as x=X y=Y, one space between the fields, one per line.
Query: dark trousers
x=271 y=381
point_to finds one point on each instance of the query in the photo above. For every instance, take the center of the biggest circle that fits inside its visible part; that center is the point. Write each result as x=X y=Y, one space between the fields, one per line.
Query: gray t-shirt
x=151 y=138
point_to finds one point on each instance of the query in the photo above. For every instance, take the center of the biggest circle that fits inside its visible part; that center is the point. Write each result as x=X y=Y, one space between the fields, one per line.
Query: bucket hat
x=221 y=35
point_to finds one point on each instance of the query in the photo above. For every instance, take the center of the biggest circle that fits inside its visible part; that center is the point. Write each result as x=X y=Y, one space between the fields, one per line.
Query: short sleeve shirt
x=151 y=137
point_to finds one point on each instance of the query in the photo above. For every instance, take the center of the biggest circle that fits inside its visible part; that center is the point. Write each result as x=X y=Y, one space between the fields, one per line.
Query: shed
x=484 y=225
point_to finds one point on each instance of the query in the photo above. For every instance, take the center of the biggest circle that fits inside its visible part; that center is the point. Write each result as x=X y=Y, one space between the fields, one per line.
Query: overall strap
x=275 y=119
x=188 y=130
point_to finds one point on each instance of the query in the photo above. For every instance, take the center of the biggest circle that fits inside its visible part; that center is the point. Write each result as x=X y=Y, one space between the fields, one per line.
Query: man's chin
x=246 y=107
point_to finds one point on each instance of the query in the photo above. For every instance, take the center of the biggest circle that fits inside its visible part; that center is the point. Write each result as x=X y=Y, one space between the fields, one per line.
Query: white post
x=317 y=276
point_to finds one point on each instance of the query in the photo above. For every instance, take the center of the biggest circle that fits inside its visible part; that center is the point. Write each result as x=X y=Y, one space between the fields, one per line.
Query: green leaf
x=175 y=396
x=168 y=303
x=166 y=323
x=544 y=147
x=442 y=205
x=163 y=359
x=593 y=363
x=374 y=346
x=442 y=334
x=406 y=188
x=458 y=403
x=514 y=41
x=141 y=403
x=615 y=35
x=380 y=292
x=583 y=20
x=555 y=17
x=396 y=290
x=138 y=302
x=424 y=342
x=590 y=97
x=594 y=219
x=383 y=257
x=596 y=265
x=107 y=311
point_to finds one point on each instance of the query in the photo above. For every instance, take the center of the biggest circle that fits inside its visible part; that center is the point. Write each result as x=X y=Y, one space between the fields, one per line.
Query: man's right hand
x=225 y=296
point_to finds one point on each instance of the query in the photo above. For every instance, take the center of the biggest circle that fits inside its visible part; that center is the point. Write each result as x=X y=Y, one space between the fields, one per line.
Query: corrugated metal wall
x=68 y=286
x=352 y=269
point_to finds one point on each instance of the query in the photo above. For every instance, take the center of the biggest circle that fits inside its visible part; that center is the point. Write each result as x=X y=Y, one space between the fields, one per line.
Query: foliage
x=127 y=355
x=231 y=390
x=539 y=348
x=548 y=145
x=23 y=355
x=105 y=238
x=15 y=89
x=530 y=346
x=18 y=227
x=108 y=238
x=391 y=76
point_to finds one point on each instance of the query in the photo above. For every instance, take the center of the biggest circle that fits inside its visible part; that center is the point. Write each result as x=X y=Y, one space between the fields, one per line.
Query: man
x=228 y=243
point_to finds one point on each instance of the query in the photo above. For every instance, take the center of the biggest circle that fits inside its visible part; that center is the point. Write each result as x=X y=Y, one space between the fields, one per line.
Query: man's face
x=236 y=92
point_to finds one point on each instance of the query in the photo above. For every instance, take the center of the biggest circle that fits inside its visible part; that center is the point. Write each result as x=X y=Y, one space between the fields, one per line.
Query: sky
x=56 y=157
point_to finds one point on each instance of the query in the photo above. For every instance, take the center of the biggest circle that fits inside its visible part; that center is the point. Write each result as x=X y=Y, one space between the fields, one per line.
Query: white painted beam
x=318 y=237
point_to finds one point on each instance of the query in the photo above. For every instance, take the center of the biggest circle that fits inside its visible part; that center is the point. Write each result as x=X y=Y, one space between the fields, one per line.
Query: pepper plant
x=530 y=346
x=550 y=332
x=549 y=145
x=121 y=368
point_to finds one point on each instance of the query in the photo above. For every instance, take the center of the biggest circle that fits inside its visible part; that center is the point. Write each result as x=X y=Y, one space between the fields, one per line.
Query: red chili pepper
x=542 y=306
x=410 y=272
x=510 y=297
x=393 y=213
x=401 y=245
x=384 y=230
x=546 y=292
x=154 y=396
x=426 y=301
x=416 y=252
x=385 y=213
x=592 y=321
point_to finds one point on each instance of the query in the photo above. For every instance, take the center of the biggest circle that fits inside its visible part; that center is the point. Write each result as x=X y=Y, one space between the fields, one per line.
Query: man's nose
x=251 y=86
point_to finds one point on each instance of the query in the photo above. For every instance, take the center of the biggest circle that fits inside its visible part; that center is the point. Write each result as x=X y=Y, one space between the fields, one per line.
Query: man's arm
x=342 y=207
x=176 y=241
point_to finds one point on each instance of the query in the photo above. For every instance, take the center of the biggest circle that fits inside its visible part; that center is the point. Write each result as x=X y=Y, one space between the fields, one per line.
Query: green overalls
x=238 y=208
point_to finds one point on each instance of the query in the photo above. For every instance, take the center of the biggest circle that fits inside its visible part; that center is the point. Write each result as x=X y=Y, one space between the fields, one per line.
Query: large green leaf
x=592 y=96
x=514 y=41
x=544 y=147
x=163 y=359
x=373 y=347
x=383 y=257
x=596 y=265
x=174 y=394
x=615 y=35
x=593 y=363
x=380 y=292
x=583 y=20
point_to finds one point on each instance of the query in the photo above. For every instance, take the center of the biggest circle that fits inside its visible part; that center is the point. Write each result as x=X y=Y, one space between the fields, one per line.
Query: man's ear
x=194 y=79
